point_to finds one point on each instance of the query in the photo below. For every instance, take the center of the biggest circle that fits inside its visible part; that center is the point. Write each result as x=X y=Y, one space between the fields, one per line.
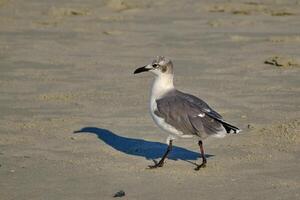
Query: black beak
x=141 y=69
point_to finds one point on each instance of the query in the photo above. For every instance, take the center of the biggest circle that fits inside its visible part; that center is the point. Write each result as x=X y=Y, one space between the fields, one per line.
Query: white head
x=160 y=66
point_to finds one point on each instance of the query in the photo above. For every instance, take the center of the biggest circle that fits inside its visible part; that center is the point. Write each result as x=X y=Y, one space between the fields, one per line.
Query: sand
x=67 y=66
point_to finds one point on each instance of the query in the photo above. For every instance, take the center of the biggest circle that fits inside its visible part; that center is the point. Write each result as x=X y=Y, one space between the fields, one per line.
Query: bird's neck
x=161 y=85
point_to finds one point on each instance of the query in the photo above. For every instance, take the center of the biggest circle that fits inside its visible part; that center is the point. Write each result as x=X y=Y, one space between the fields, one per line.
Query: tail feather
x=228 y=127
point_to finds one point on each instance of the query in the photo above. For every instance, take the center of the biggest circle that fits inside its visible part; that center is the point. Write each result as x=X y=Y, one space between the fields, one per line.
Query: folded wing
x=189 y=115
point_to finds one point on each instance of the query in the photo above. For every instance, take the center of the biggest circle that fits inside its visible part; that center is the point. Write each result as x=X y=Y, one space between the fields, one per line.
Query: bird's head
x=159 y=66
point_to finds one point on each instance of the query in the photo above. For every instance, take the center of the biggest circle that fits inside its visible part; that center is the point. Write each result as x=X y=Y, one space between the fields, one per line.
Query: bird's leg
x=161 y=162
x=202 y=155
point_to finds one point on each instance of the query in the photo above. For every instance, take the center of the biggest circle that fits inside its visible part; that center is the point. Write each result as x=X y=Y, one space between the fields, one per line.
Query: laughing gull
x=180 y=114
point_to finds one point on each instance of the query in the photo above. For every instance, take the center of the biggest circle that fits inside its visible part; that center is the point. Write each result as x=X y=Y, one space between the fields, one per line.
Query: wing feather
x=188 y=116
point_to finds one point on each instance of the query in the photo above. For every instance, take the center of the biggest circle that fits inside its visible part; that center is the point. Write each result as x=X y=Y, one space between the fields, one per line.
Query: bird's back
x=199 y=102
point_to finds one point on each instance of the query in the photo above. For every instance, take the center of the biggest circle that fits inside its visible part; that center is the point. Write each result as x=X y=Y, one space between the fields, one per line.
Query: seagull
x=180 y=114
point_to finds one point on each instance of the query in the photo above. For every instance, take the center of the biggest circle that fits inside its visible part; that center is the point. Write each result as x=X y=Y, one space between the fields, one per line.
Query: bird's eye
x=154 y=65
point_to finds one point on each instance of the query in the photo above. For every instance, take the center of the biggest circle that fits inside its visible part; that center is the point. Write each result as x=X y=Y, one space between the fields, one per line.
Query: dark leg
x=161 y=162
x=202 y=155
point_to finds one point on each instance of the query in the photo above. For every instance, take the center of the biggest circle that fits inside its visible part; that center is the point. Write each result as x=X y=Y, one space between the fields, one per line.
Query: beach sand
x=67 y=66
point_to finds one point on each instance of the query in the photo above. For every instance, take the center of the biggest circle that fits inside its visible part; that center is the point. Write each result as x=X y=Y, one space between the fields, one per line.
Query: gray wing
x=209 y=111
x=200 y=103
x=186 y=116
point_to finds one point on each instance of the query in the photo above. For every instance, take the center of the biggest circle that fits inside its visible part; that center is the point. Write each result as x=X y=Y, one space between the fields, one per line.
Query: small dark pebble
x=250 y=126
x=121 y=193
